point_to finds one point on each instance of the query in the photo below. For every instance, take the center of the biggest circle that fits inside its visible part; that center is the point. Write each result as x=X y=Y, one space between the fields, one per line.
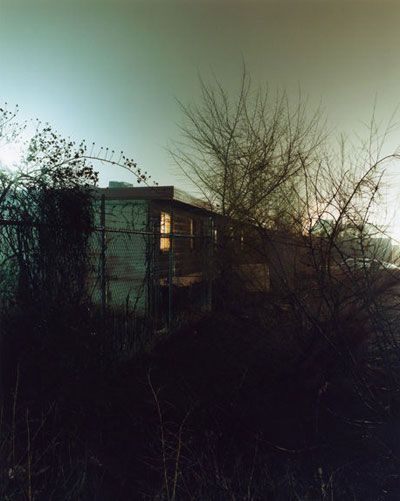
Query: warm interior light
x=165 y=229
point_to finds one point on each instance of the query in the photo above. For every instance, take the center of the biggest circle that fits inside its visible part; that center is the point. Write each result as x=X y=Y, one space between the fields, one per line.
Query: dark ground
x=234 y=408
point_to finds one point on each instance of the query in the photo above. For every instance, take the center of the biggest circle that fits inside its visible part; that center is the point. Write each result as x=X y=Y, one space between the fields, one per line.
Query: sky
x=112 y=71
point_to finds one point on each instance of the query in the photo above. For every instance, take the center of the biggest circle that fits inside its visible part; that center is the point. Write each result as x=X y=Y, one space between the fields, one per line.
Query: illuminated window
x=165 y=229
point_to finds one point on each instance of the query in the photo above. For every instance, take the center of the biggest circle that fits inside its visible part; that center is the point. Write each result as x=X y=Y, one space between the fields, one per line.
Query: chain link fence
x=146 y=283
x=138 y=285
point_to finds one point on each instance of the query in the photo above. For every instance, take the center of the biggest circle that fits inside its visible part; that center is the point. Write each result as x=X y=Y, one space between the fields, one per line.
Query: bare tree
x=260 y=160
x=46 y=228
x=49 y=165
x=246 y=154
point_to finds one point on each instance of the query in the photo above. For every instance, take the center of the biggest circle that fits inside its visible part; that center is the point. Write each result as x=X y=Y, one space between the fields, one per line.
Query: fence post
x=209 y=265
x=171 y=270
x=153 y=272
x=103 y=255
x=1 y=359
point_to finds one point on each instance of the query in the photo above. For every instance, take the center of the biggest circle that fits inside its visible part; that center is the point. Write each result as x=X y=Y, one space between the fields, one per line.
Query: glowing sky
x=110 y=71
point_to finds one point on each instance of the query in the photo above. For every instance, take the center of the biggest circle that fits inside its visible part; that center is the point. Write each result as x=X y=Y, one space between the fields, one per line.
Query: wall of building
x=191 y=228
x=125 y=254
x=182 y=270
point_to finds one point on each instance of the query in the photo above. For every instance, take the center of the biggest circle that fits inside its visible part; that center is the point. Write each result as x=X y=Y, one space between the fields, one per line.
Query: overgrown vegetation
x=225 y=410
x=293 y=394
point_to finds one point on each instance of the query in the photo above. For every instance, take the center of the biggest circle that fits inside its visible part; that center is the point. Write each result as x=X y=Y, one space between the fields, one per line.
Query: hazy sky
x=110 y=71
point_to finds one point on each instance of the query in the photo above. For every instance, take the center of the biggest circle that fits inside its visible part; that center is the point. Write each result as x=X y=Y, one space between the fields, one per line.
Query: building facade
x=152 y=253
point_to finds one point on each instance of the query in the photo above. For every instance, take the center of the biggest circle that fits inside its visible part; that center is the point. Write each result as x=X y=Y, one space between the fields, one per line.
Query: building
x=152 y=253
x=157 y=252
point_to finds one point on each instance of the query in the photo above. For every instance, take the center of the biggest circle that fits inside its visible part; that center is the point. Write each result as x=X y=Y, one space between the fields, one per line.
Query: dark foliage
x=224 y=410
x=292 y=397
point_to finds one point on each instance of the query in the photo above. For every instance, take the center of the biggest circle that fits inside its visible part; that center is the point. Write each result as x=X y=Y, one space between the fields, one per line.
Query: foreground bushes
x=237 y=407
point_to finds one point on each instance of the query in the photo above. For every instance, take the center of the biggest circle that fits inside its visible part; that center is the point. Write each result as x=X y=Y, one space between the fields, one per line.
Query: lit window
x=165 y=229
x=215 y=234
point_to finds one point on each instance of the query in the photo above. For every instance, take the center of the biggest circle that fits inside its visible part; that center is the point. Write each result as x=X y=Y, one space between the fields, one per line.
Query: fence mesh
x=138 y=284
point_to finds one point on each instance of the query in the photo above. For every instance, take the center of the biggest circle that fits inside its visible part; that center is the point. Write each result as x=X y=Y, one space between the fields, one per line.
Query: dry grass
x=244 y=405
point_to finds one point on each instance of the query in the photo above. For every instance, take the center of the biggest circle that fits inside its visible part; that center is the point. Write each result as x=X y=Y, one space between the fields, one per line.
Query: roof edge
x=153 y=193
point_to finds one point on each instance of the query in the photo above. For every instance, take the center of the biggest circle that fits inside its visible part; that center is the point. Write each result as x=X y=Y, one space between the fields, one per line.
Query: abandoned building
x=150 y=243
x=155 y=252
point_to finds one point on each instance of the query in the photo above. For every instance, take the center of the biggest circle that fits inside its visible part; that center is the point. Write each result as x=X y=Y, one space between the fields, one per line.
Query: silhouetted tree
x=262 y=161
x=246 y=153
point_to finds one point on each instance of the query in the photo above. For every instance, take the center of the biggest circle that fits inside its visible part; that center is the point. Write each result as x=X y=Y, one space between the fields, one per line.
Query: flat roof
x=153 y=193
